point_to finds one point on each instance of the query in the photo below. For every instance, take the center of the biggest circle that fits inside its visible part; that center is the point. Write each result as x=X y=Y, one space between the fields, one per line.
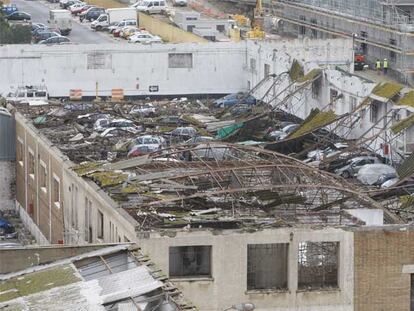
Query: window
x=412 y=293
x=74 y=207
x=302 y=29
x=180 y=60
x=88 y=225
x=190 y=261
x=100 y=225
x=31 y=164
x=374 y=112
x=267 y=266
x=318 y=265
x=252 y=64
x=266 y=70
x=42 y=176
x=314 y=31
x=352 y=103
x=19 y=151
x=364 y=46
x=393 y=55
x=56 y=191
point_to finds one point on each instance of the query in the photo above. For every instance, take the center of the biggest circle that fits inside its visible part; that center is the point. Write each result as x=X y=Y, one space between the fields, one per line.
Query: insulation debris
x=315 y=121
x=406 y=100
x=403 y=124
x=387 y=89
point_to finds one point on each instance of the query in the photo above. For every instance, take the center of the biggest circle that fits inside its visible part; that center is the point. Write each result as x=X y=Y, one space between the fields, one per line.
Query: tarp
x=370 y=173
x=228 y=130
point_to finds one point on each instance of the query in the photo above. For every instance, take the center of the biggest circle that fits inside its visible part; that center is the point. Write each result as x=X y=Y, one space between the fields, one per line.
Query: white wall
x=217 y=68
x=228 y=284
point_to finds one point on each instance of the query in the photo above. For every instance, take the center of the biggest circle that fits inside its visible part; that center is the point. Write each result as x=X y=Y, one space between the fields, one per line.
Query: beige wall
x=380 y=257
x=56 y=221
x=228 y=284
x=167 y=32
x=34 y=199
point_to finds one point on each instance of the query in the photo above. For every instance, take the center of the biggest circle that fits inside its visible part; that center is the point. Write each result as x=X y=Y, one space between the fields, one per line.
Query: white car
x=144 y=38
x=146 y=110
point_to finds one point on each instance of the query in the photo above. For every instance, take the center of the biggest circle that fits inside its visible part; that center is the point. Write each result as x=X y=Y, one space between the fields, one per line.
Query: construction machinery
x=257 y=24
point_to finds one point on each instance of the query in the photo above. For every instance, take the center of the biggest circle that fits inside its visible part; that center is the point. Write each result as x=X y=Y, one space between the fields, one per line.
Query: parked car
x=9 y=9
x=128 y=31
x=385 y=177
x=76 y=7
x=140 y=150
x=233 y=99
x=144 y=38
x=151 y=6
x=184 y=133
x=354 y=165
x=37 y=26
x=91 y=14
x=121 y=24
x=69 y=3
x=199 y=139
x=18 y=16
x=101 y=124
x=369 y=174
x=83 y=9
x=284 y=132
x=156 y=142
x=56 y=40
x=44 y=35
x=179 y=2
x=147 y=110
x=172 y=120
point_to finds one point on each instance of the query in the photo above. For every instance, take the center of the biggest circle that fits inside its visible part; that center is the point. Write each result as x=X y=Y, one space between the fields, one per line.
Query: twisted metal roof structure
x=213 y=183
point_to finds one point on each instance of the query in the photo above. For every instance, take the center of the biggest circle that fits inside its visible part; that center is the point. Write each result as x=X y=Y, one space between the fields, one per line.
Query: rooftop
x=206 y=183
x=112 y=278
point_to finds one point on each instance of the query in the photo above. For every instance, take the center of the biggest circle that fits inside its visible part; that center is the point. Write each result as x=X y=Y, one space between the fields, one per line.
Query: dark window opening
x=100 y=225
x=412 y=293
x=318 y=265
x=267 y=266
x=190 y=261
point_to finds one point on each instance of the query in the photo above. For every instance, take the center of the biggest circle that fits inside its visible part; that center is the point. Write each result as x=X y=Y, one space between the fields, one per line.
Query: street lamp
x=246 y=306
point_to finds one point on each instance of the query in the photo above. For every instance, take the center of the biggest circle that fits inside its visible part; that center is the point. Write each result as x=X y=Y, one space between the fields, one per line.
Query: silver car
x=354 y=165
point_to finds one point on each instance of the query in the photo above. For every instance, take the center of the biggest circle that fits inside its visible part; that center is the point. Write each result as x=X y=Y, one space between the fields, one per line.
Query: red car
x=82 y=9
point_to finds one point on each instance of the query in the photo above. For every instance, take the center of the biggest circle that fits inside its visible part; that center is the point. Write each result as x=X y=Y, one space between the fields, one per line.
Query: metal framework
x=236 y=184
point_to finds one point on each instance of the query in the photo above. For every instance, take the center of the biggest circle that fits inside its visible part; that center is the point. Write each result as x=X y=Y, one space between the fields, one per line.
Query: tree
x=13 y=33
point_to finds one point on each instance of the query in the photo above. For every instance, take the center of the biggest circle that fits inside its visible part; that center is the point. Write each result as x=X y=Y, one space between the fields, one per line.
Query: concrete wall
x=167 y=32
x=384 y=259
x=7 y=185
x=16 y=259
x=135 y=68
x=228 y=284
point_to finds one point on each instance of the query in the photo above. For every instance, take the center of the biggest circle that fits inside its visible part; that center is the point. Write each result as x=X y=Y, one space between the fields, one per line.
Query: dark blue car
x=233 y=99
x=9 y=9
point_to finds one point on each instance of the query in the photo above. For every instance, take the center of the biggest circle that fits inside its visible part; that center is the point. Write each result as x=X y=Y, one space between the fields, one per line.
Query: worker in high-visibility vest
x=385 y=66
x=378 y=66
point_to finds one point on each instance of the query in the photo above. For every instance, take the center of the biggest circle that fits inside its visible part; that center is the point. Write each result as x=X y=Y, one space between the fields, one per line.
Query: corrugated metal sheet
x=7 y=136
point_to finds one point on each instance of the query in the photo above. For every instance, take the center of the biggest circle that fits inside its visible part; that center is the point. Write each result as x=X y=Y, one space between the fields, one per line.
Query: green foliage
x=14 y=33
